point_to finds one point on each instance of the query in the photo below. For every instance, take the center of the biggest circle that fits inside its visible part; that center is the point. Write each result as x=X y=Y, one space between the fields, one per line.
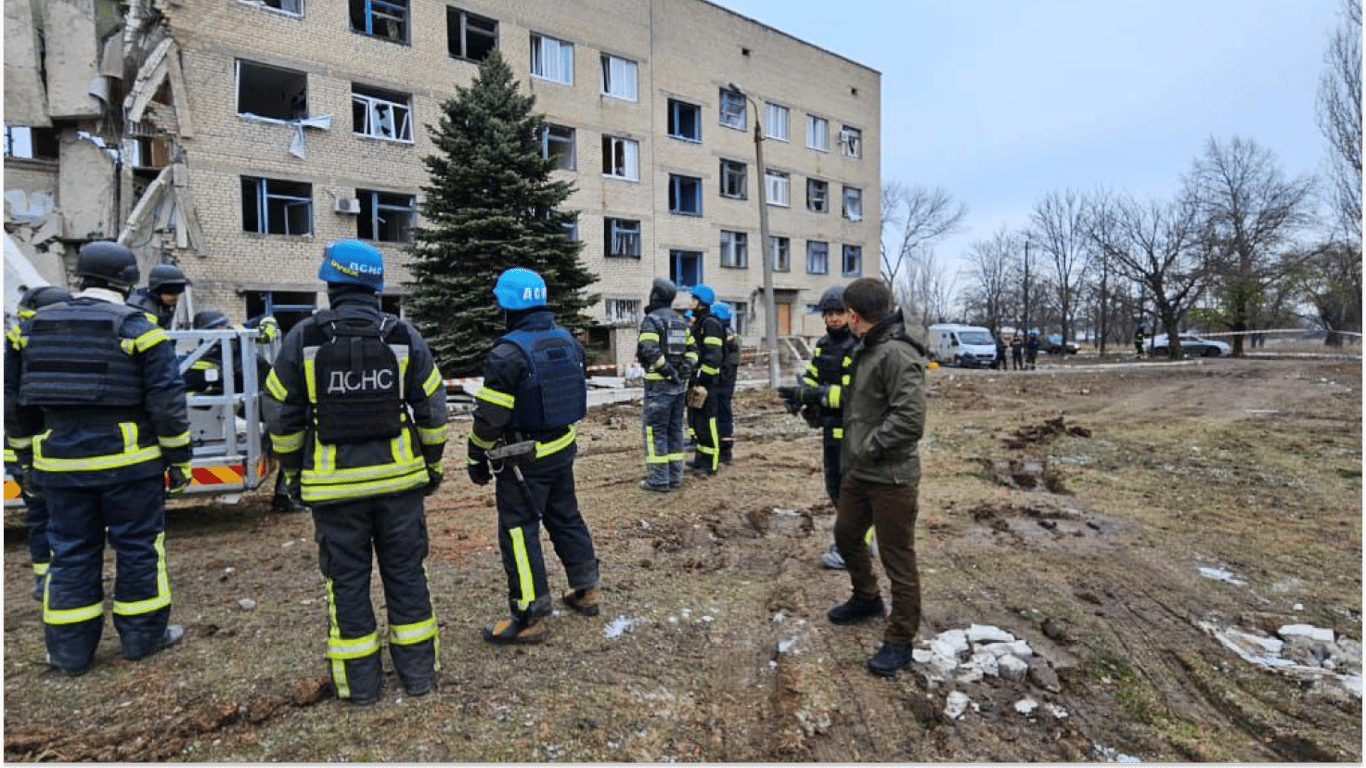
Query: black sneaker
x=890 y=658
x=856 y=610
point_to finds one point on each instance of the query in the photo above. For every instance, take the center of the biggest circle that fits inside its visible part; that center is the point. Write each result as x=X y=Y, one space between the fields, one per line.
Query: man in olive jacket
x=884 y=418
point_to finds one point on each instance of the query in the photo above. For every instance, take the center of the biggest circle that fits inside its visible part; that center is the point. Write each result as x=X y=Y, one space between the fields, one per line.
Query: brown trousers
x=891 y=510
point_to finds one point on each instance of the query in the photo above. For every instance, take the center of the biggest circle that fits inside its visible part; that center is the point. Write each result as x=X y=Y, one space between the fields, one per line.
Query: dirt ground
x=1081 y=507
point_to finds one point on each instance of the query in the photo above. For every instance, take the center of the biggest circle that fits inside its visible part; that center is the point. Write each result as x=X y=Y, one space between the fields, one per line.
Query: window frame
x=780 y=253
x=547 y=139
x=538 y=54
x=279 y=7
x=375 y=98
x=294 y=112
x=738 y=173
x=614 y=227
x=290 y=203
x=608 y=86
x=734 y=250
x=374 y=203
x=739 y=117
x=632 y=315
x=856 y=251
x=676 y=263
x=812 y=184
x=376 y=8
x=676 y=183
x=776 y=182
x=629 y=157
x=812 y=121
x=777 y=116
x=851 y=142
x=846 y=210
x=462 y=35
x=819 y=248
x=674 y=122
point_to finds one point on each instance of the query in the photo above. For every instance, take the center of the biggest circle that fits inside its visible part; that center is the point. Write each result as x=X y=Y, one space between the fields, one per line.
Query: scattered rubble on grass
x=1301 y=651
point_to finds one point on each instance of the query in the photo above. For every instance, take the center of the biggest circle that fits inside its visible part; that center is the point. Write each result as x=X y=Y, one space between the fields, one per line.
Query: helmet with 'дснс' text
x=351 y=262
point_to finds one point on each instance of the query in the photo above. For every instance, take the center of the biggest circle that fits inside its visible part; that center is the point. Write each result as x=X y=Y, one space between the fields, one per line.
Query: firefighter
x=534 y=393
x=95 y=413
x=356 y=411
x=165 y=285
x=665 y=350
x=725 y=384
x=710 y=338
x=35 y=507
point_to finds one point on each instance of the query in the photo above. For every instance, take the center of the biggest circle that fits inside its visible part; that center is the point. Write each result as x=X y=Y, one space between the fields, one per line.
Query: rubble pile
x=982 y=651
x=1298 y=650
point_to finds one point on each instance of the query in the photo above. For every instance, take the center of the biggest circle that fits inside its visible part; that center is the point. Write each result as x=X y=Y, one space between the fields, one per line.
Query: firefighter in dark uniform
x=710 y=338
x=725 y=384
x=356 y=411
x=35 y=507
x=165 y=285
x=534 y=391
x=95 y=412
x=665 y=350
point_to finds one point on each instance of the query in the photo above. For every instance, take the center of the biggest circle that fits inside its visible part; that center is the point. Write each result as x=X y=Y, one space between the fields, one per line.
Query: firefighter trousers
x=392 y=530
x=35 y=520
x=132 y=515
x=706 y=434
x=725 y=420
x=662 y=424
x=891 y=510
x=545 y=496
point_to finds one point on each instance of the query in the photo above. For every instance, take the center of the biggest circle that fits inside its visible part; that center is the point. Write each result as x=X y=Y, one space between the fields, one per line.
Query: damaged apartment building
x=235 y=137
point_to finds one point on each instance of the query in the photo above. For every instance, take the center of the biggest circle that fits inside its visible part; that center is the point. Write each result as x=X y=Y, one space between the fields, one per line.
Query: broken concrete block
x=1012 y=668
x=978 y=634
x=1256 y=645
x=1016 y=648
x=1321 y=634
x=1026 y=706
x=1042 y=675
x=950 y=644
x=969 y=674
x=955 y=704
x=1349 y=651
x=921 y=655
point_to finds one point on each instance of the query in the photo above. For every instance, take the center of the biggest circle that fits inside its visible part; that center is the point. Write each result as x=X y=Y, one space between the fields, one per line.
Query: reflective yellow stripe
x=411 y=634
x=715 y=341
x=690 y=356
x=174 y=441
x=203 y=365
x=868 y=537
x=680 y=456
x=40 y=569
x=352 y=648
x=523 y=562
x=432 y=383
x=833 y=396
x=433 y=435
x=309 y=382
x=837 y=433
x=496 y=397
x=71 y=615
x=163 y=595
x=648 y=336
x=711 y=369
x=21 y=443
x=316 y=493
x=10 y=456
x=545 y=449
x=650 y=456
x=275 y=388
x=111 y=461
x=481 y=442
x=287 y=443
x=150 y=339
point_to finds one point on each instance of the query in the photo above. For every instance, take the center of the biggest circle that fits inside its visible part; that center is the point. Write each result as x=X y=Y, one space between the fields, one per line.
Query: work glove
x=670 y=373
x=479 y=471
x=269 y=328
x=177 y=478
x=791 y=398
x=814 y=395
x=294 y=487
x=812 y=415
x=435 y=473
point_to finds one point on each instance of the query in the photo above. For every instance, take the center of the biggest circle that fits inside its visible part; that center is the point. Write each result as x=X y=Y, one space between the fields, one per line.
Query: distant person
x=1017 y=352
x=710 y=339
x=665 y=351
x=1032 y=349
x=884 y=420
x=725 y=383
x=1000 y=362
x=165 y=285
x=1140 y=336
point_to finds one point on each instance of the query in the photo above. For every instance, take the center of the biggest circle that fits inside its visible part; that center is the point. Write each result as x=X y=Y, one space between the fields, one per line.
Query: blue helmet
x=722 y=311
x=520 y=288
x=704 y=294
x=353 y=263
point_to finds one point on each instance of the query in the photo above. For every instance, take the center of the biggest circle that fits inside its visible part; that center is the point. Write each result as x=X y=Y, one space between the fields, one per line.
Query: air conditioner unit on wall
x=349 y=205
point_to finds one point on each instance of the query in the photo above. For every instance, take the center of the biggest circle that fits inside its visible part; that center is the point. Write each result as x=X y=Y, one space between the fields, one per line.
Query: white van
x=965 y=346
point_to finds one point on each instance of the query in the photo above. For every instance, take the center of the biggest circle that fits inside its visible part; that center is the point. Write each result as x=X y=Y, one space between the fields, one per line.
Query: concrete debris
x=956 y=704
x=1300 y=651
x=1221 y=575
x=986 y=634
x=1026 y=706
x=246 y=604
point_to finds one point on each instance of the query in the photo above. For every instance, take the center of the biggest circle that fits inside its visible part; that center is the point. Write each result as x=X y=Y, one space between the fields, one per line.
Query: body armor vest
x=673 y=336
x=555 y=393
x=76 y=357
x=357 y=381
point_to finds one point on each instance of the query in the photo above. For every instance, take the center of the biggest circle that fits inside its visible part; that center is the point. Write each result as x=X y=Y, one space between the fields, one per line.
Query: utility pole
x=770 y=306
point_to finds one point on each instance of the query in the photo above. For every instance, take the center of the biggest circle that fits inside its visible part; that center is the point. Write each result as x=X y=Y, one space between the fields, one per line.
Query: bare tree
x=1250 y=212
x=989 y=270
x=913 y=219
x=925 y=292
x=1059 y=230
x=1339 y=117
x=1157 y=245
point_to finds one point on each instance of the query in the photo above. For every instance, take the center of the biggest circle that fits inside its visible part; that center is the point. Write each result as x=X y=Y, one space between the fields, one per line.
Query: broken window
x=620 y=157
x=851 y=141
x=776 y=121
x=623 y=310
x=817 y=196
x=381 y=114
x=288 y=308
x=147 y=152
x=469 y=36
x=293 y=7
x=557 y=141
x=385 y=216
x=817 y=257
x=685 y=268
x=780 y=254
x=685 y=120
x=22 y=141
x=618 y=77
x=733 y=179
x=733 y=109
x=778 y=188
x=818 y=133
x=623 y=237
x=734 y=249
x=739 y=313
x=685 y=195
x=552 y=59
x=852 y=265
x=853 y=204
x=273 y=92
x=387 y=19
x=276 y=207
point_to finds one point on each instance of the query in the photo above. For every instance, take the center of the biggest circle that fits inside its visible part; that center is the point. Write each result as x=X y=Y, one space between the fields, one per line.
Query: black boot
x=856 y=610
x=890 y=658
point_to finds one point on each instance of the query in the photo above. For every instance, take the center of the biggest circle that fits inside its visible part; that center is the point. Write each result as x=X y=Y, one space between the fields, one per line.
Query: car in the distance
x=1191 y=346
x=1054 y=345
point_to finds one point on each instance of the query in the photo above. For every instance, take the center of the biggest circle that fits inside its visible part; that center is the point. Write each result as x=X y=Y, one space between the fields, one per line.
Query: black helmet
x=210 y=319
x=832 y=300
x=166 y=278
x=105 y=263
x=43 y=295
x=662 y=291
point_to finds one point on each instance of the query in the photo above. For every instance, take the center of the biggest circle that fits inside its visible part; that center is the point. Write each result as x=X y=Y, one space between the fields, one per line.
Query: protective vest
x=357 y=383
x=74 y=356
x=555 y=393
x=673 y=340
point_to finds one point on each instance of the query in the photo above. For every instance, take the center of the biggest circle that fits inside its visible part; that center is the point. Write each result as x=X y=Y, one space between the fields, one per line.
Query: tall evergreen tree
x=490 y=205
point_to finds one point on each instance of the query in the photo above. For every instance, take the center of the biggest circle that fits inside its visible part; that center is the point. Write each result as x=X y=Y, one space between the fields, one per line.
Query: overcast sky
x=1002 y=101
